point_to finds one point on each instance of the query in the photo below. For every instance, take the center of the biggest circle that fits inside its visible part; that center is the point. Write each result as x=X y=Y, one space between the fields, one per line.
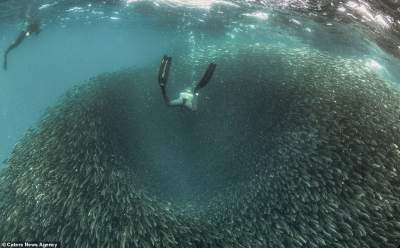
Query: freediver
x=189 y=97
x=33 y=27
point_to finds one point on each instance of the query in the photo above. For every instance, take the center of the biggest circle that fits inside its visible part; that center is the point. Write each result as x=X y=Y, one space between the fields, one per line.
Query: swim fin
x=164 y=70
x=206 y=77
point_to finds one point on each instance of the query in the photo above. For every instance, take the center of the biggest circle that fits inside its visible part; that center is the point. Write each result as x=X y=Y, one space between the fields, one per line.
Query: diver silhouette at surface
x=33 y=27
x=189 y=97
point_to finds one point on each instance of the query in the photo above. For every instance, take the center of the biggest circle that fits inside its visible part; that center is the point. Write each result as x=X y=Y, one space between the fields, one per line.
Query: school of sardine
x=325 y=172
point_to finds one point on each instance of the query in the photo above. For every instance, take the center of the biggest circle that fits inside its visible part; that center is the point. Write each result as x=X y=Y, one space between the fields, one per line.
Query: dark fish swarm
x=67 y=180
x=323 y=131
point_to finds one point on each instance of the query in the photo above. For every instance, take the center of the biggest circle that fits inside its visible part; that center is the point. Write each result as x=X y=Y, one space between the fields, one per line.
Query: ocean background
x=177 y=155
x=83 y=40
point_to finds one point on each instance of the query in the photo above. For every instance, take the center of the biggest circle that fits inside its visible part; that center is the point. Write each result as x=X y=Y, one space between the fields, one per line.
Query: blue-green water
x=85 y=41
x=295 y=143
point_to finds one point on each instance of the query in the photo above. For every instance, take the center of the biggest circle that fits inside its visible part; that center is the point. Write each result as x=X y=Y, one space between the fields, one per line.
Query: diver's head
x=34 y=26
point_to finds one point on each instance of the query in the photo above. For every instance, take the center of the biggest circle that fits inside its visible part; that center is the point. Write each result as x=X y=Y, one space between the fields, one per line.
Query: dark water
x=295 y=143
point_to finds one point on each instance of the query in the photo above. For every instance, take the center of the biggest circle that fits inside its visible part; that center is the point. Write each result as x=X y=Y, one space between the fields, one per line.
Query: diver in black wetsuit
x=187 y=98
x=33 y=27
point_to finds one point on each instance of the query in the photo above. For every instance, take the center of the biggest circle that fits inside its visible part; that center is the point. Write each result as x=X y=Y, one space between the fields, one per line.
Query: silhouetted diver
x=187 y=98
x=33 y=27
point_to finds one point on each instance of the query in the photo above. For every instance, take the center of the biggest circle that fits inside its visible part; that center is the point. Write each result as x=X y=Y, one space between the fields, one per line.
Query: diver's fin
x=206 y=77
x=164 y=70
x=163 y=76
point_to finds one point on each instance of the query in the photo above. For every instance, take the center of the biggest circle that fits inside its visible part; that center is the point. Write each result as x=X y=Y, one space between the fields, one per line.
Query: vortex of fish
x=325 y=169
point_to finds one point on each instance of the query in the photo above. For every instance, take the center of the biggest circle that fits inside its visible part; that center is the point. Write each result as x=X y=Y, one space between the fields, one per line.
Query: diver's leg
x=164 y=95
x=5 y=60
x=206 y=77
x=16 y=43
x=6 y=55
x=177 y=102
